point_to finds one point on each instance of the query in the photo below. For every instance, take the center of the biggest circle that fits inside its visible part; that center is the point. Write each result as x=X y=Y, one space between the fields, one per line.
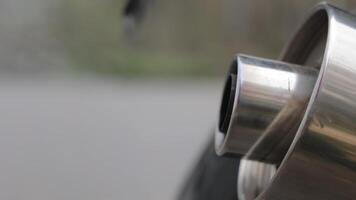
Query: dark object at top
x=135 y=9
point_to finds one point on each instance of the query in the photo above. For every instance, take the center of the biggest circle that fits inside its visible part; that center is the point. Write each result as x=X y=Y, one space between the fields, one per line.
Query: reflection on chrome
x=270 y=78
x=254 y=177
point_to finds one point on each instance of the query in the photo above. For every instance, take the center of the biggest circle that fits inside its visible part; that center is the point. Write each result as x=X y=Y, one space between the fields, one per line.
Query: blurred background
x=99 y=105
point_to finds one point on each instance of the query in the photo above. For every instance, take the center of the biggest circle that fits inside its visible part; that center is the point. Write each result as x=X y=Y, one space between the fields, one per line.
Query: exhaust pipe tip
x=229 y=95
x=261 y=104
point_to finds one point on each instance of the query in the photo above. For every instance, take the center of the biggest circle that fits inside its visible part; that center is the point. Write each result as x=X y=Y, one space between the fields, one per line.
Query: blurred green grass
x=146 y=64
x=94 y=39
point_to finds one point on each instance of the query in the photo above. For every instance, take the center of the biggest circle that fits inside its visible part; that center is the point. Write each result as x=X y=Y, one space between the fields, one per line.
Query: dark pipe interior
x=227 y=102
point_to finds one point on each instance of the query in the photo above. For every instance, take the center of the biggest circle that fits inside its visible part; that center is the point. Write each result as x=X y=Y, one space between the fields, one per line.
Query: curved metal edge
x=318 y=165
x=220 y=139
x=288 y=51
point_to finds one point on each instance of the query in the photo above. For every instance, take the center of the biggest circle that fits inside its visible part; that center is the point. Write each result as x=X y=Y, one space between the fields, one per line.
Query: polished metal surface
x=263 y=103
x=320 y=163
x=254 y=177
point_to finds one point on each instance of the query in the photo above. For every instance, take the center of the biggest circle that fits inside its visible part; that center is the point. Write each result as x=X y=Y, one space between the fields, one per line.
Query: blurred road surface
x=93 y=139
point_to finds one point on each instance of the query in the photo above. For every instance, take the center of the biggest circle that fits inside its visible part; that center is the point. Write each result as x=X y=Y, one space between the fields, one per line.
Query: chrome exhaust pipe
x=297 y=143
x=262 y=105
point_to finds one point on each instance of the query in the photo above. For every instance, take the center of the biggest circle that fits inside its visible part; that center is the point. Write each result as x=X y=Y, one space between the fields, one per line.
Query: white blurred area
x=100 y=139
x=90 y=138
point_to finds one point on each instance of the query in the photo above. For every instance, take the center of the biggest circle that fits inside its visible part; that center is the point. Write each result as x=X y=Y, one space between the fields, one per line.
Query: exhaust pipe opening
x=227 y=103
